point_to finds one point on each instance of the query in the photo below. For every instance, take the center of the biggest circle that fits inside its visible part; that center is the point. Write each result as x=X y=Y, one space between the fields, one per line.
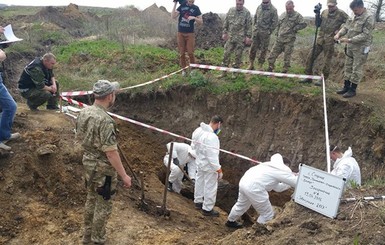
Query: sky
x=305 y=7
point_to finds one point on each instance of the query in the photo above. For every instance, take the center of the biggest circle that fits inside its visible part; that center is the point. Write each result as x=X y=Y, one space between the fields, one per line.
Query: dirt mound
x=209 y=35
x=68 y=18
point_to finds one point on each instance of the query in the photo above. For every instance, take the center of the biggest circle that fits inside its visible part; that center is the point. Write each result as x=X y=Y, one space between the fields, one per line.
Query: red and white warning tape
x=80 y=93
x=264 y=73
x=76 y=93
x=209 y=67
x=160 y=130
x=218 y=68
x=155 y=80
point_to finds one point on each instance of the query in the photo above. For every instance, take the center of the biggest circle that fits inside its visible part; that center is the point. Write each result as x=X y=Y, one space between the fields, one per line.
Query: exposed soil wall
x=259 y=124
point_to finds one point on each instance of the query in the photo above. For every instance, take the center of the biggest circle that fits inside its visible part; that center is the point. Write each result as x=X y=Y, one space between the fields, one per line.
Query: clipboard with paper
x=9 y=35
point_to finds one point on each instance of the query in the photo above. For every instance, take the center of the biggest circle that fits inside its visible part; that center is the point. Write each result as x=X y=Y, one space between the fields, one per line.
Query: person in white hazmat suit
x=209 y=171
x=254 y=186
x=182 y=155
x=345 y=166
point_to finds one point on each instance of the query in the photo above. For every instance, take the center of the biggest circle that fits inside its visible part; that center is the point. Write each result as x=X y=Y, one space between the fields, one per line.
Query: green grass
x=12 y=11
x=375 y=182
x=81 y=63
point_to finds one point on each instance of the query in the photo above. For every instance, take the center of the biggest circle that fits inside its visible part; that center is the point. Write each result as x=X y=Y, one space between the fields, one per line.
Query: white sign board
x=319 y=190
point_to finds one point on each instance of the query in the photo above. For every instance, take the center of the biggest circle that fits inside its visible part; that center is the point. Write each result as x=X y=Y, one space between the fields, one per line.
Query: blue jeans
x=8 y=107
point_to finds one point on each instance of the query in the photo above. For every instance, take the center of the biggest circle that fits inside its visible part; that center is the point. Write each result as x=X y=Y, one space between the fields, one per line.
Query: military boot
x=351 y=92
x=345 y=88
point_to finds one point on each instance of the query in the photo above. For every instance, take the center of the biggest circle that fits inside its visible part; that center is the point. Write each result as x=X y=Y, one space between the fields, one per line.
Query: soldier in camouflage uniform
x=265 y=22
x=358 y=32
x=289 y=24
x=332 y=19
x=236 y=33
x=96 y=131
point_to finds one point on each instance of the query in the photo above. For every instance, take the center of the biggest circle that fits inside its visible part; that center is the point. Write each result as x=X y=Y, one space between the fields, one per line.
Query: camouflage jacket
x=96 y=132
x=265 y=19
x=359 y=30
x=35 y=75
x=331 y=23
x=289 y=25
x=237 y=24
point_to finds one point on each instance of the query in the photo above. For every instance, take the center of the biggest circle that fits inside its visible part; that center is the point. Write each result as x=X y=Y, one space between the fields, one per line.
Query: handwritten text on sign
x=319 y=191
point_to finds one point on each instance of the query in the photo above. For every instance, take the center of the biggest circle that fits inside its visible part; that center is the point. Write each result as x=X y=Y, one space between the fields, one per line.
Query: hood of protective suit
x=276 y=161
x=206 y=127
x=347 y=153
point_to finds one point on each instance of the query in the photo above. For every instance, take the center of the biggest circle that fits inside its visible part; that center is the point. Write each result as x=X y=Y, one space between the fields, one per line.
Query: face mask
x=217 y=131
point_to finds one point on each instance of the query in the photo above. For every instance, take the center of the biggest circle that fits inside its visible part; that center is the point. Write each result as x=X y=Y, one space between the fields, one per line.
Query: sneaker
x=183 y=73
x=52 y=107
x=5 y=147
x=13 y=137
x=233 y=224
x=198 y=205
x=212 y=213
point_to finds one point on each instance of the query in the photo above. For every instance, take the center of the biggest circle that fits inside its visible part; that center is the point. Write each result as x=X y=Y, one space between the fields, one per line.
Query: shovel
x=185 y=174
x=162 y=210
x=129 y=166
x=143 y=204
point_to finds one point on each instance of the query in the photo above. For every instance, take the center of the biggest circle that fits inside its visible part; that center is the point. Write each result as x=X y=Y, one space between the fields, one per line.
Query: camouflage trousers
x=278 y=48
x=261 y=41
x=236 y=48
x=97 y=210
x=37 y=97
x=354 y=64
x=328 y=50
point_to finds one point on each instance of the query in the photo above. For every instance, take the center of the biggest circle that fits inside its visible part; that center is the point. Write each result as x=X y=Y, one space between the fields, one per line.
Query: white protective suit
x=180 y=151
x=206 y=183
x=255 y=184
x=347 y=167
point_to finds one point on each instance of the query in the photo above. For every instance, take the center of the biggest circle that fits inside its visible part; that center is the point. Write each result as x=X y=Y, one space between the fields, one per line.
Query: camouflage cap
x=104 y=87
x=332 y=2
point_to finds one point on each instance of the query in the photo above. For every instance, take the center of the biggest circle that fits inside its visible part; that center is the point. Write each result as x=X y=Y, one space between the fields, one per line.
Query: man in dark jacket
x=38 y=84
